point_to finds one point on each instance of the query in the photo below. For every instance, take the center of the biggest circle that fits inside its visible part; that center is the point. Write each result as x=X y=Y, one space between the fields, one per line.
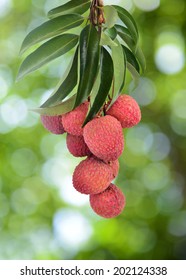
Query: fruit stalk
x=96 y=13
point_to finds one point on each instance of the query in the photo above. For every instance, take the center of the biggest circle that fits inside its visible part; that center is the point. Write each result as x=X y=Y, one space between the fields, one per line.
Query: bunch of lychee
x=101 y=140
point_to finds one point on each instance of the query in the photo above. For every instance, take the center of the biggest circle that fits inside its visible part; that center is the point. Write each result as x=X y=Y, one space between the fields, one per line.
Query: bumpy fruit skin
x=109 y=203
x=115 y=167
x=104 y=138
x=126 y=110
x=92 y=176
x=73 y=121
x=77 y=146
x=53 y=124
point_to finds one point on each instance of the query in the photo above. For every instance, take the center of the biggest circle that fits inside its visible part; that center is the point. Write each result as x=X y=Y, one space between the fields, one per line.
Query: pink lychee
x=77 y=146
x=104 y=138
x=73 y=120
x=92 y=176
x=126 y=110
x=115 y=167
x=53 y=123
x=109 y=203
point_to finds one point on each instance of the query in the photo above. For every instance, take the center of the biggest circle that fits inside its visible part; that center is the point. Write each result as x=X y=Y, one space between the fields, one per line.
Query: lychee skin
x=92 y=176
x=126 y=110
x=53 y=124
x=115 y=167
x=104 y=138
x=109 y=203
x=73 y=121
x=77 y=146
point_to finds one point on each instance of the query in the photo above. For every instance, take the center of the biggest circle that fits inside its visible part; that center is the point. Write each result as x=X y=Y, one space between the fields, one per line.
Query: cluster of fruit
x=101 y=140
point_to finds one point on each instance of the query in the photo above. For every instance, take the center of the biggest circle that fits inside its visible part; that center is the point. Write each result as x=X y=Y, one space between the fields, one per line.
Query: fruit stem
x=96 y=14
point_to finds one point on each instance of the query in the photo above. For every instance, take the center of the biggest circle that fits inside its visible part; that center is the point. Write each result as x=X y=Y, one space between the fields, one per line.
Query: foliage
x=93 y=46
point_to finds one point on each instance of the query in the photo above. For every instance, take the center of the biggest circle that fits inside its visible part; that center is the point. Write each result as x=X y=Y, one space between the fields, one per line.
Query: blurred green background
x=41 y=214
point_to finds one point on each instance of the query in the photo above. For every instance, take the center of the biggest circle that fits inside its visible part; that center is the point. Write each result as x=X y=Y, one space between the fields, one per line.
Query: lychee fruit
x=109 y=203
x=73 y=120
x=126 y=110
x=77 y=146
x=53 y=123
x=92 y=176
x=115 y=167
x=104 y=137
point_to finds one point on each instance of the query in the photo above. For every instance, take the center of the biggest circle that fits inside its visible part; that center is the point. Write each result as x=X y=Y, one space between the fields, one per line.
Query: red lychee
x=92 y=176
x=126 y=110
x=53 y=123
x=77 y=146
x=104 y=138
x=109 y=203
x=115 y=167
x=73 y=121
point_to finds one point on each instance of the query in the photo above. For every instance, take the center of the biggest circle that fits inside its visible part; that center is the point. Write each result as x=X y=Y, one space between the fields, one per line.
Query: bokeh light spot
x=160 y=147
x=178 y=112
x=24 y=162
x=48 y=143
x=71 y=229
x=178 y=125
x=128 y=4
x=178 y=104
x=144 y=92
x=4 y=88
x=58 y=171
x=170 y=200
x=155 y=176
x=170 y=59
x=39 y=190
x=139 y=139
x=70 y=195
x=13 y=111
x=146 y=5
x=5 y=6
x=22 y=202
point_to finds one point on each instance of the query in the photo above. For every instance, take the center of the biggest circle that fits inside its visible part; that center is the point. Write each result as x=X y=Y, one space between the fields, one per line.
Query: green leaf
x=71 y=7
x=47 y=52
x=134 y=73
x=106 y=40
x=140 y=57
x=96 y=85
x=132 y=65
x=66 y=86
x=129 y=21
x=106 y=70
x=119 y=61
x=61 y=108
x=111 y=32
x=89 y=60
x=110 y=15
x=50 y=29
x=125 y=35
x=131 y=58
